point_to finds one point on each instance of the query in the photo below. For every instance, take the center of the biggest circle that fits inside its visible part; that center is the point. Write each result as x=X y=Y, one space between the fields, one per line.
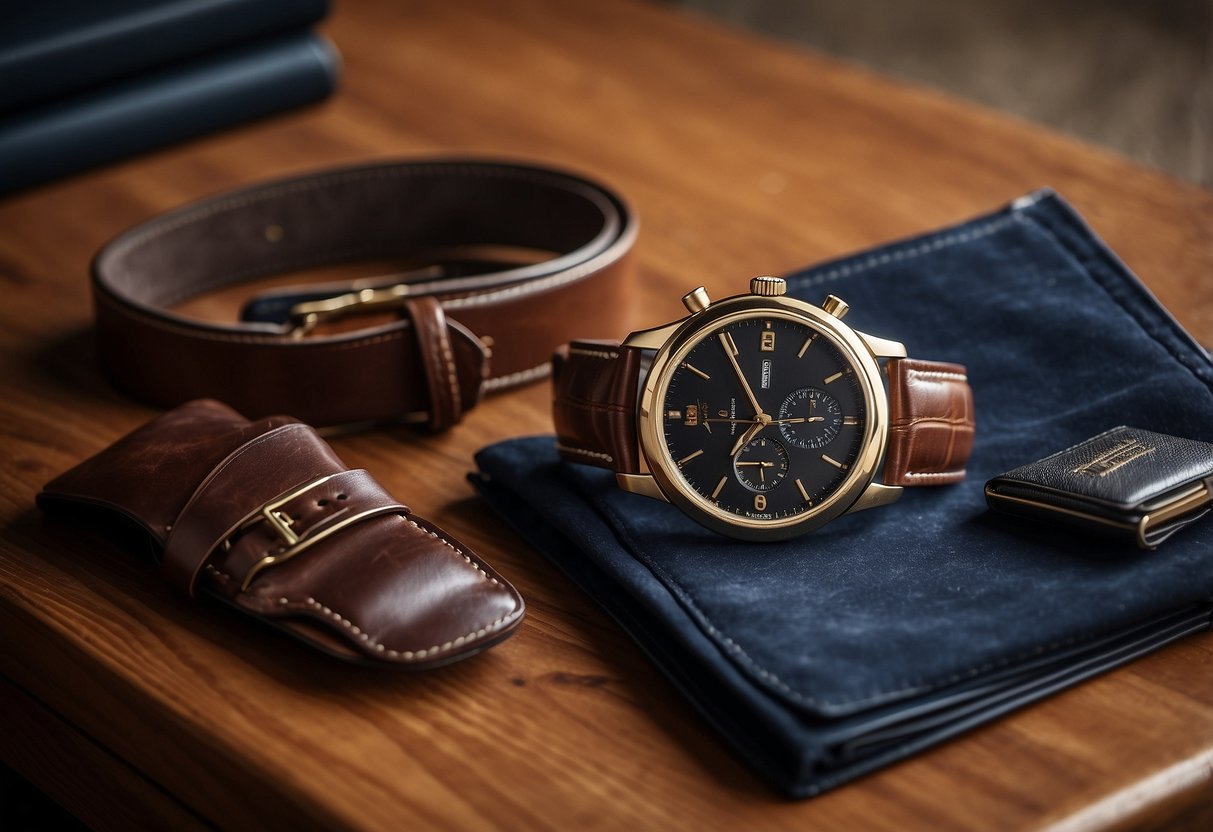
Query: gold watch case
x=673 y=341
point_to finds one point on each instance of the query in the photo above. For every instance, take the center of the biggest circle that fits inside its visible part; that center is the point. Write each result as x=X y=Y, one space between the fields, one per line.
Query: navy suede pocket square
x=885 y=632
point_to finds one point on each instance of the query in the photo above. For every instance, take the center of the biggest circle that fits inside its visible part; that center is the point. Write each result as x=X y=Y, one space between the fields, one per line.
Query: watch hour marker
x=850 y=420
x=836 y=376
x=726 y=338
x=689 y=457
x=803 y=493
x=719 y=487
x=832 y=461
x=673 y=414
x=695 y=370
x=808 y=342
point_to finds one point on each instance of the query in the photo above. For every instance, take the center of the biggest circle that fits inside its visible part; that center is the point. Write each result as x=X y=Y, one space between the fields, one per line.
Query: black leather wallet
x=1130 y=483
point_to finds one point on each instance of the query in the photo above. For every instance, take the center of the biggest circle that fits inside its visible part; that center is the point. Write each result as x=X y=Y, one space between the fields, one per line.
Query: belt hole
x=322 y=502
x=342 y=496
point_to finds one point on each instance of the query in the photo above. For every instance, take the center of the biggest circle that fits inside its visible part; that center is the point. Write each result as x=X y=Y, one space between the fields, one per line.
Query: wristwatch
x=762 y=416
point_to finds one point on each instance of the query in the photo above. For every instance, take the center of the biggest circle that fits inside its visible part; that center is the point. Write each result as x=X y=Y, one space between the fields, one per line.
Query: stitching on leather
x=528 y=287
x=933 y=474
x=407 y=655
x=444 y=344
x=519 y=377
x=536 y=372
x=594 y=454
x=438 y=364
x=379 y=647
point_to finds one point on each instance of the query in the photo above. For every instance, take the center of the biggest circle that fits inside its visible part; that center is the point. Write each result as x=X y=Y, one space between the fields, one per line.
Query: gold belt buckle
x=306 y=316
x=292 y=543
x=271 y=513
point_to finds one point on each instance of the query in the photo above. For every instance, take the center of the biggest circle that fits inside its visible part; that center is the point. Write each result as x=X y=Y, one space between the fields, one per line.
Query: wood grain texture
x=63 y=763
x=743 y=157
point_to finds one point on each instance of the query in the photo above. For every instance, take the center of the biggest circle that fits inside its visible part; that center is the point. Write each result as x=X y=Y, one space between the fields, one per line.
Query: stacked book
x=84 y=82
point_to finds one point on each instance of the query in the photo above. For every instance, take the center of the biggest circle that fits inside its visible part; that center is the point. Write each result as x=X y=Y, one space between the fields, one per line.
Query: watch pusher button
x=696 y=300
x=836 y=306
x=768 y=286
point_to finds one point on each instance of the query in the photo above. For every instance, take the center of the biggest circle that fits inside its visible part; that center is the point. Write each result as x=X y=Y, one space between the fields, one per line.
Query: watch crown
x=836 y=306
x=768 y=286
x=696 y=300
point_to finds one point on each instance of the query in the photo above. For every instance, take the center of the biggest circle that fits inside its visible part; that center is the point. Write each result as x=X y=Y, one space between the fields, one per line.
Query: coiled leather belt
x=505 y=262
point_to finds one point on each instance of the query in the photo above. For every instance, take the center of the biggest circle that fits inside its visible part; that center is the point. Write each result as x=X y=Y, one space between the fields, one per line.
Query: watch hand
x=745 y=438
x=763 y=464
x=725 y=342
x=794 y=421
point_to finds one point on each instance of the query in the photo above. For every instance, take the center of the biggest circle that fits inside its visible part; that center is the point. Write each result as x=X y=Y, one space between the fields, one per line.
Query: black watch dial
x=764 y=417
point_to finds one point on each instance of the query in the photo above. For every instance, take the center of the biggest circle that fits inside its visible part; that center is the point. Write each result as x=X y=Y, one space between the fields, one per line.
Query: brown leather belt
x=506 y=261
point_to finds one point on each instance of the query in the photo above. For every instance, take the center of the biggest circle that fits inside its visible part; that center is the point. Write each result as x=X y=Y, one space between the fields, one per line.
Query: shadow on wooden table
x=71 y=363
x=87 y=557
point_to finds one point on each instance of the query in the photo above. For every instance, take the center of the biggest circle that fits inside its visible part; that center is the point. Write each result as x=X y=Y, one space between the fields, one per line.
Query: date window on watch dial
x=691 y=415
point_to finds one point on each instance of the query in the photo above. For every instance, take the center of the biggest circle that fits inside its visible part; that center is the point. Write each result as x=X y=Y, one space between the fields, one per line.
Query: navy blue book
x=821 y=658
x=139 y=114
x=56 y=47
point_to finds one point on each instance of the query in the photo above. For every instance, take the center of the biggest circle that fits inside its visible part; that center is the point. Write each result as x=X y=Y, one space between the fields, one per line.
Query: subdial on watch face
x=762 y=464
x=813 y=415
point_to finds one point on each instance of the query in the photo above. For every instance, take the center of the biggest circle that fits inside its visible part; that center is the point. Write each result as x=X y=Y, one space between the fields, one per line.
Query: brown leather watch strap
x=504 y=262
x=931 y=423
x=595 y=385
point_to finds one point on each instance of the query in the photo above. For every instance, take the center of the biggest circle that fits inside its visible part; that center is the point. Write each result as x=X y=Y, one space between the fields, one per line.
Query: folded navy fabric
x=885 y=632
x=177 y=102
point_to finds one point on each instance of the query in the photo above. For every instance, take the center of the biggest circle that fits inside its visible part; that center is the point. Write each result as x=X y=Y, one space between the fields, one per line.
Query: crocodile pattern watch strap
x=595 y=385
x=931 y=424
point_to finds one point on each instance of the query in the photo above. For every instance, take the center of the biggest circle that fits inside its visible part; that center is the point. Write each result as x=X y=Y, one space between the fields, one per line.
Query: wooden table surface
x=133 y=707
